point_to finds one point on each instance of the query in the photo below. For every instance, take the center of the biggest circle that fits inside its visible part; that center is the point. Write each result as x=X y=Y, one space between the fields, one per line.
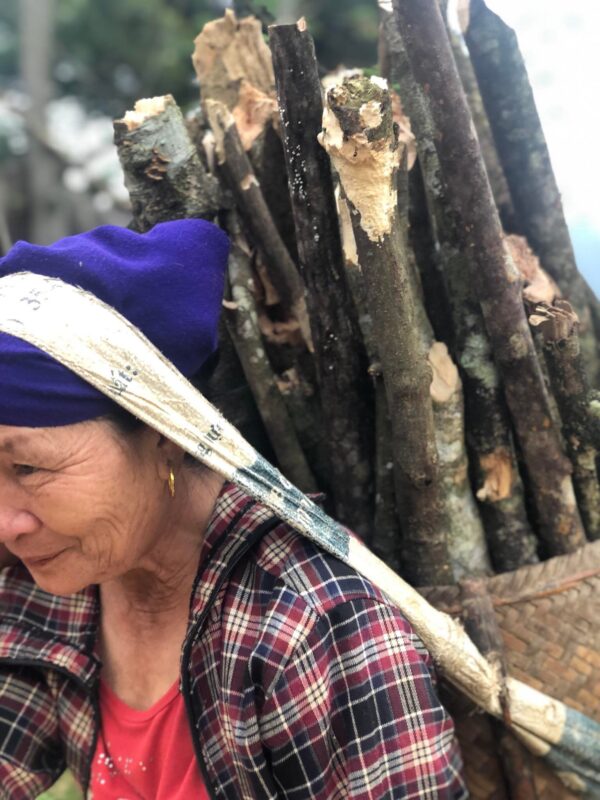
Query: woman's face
x=81 y=504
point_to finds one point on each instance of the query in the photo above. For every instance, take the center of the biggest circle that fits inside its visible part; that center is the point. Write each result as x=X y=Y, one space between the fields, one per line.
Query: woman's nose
x=14 y=520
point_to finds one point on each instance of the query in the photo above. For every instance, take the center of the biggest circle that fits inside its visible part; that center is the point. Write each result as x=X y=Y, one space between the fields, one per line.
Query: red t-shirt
x=145 y=755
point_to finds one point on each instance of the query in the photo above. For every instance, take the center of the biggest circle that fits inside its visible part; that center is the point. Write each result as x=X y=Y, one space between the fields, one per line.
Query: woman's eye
x=24 y=469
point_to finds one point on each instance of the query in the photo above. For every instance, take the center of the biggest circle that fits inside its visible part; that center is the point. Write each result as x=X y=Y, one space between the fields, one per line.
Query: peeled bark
x=340 y=357
x=496 y=281
x=539 y=215
x=163 y=172
x=493 y=462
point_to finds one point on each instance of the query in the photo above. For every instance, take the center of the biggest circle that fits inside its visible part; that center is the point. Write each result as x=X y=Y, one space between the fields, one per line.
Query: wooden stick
x=489 y=152
x=163 y=173
x=509 y=102
x=358 y=135
x=558 y=324
x=228 y=389
x=498 y=485
x=492 y=272
x=427 y=255
x=250 y=201
x=233 y=65
x=386 y=540
x=340 y=356
x=243 y=325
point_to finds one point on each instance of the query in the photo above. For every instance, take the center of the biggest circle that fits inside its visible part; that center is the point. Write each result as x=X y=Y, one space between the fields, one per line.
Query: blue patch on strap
x=262 y=480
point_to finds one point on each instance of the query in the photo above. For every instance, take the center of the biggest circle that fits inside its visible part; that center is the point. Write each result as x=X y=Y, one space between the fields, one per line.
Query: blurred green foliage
x=64 y=789
x=344 y=33
x=112 y=52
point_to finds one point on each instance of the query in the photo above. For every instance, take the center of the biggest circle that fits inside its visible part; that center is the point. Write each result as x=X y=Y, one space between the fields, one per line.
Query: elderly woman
x=162 y=634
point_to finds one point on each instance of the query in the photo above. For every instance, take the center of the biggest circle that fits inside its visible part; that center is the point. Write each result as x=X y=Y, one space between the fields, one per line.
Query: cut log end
x=357 y=135
x=144 y=109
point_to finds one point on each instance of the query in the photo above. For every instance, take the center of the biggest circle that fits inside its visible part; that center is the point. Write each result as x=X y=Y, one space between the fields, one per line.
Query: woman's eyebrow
x=8 y=445
x=14 y=442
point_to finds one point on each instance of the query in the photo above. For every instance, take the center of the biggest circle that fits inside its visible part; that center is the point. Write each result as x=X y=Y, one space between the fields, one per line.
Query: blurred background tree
x=109 y=54
x=68 y=67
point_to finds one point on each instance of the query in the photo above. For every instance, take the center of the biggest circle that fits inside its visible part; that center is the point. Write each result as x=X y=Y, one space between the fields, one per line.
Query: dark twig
x=577 y=404
x=341 y=361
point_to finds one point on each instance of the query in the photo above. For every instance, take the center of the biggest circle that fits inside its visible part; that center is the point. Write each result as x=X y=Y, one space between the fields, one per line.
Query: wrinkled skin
x=99 y=502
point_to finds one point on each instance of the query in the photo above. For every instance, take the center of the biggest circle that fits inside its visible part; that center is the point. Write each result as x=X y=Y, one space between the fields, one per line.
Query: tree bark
x=497 y=178
x=493 y=462
x=46 y=216
x=386 y=540
x=558 y=325
x=510 y=105
x=493 y=274
x=163 y=172
x=341 y=361
x=427 y=255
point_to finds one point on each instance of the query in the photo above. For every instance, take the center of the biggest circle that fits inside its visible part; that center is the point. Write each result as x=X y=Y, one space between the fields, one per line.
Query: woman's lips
x=41 y=561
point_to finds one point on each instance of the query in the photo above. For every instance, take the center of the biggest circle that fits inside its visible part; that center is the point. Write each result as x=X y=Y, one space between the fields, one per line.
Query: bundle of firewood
x=405 y=328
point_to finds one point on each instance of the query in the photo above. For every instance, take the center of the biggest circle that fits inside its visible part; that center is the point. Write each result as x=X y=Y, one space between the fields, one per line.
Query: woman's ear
x=169 y=455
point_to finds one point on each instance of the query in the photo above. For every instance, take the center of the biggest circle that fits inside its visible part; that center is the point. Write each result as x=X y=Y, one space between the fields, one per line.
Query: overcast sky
x=561 y=45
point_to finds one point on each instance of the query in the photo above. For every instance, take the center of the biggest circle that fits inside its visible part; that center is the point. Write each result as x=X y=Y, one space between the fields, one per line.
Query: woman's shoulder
x=286 y=587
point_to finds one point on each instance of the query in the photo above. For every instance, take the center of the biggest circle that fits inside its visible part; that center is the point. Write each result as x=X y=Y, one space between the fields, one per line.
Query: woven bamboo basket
x=549 y=618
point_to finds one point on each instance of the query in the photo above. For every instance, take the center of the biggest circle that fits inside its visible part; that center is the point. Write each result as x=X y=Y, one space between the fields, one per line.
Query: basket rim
x=532 y=582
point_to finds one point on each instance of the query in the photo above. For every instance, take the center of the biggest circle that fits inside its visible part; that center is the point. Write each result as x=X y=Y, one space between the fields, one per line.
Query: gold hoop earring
x=171 y=482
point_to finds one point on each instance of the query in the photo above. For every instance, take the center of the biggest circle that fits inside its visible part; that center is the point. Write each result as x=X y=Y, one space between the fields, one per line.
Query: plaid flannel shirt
x=300 y=680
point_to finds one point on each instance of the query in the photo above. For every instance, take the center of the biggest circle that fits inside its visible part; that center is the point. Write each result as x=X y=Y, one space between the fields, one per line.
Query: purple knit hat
x=167 y=282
